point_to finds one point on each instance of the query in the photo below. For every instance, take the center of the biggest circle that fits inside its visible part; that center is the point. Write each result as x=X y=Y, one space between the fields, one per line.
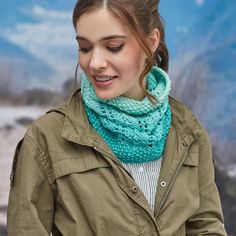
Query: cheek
x=83 y=61
x=139 y=59
x=134 y=60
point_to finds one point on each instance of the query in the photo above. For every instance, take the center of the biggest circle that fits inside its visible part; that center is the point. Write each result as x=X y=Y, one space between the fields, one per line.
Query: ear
x=154 y=39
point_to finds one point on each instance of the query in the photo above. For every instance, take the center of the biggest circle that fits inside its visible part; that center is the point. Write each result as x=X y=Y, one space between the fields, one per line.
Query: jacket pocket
x=78 y=164
x=88 y=198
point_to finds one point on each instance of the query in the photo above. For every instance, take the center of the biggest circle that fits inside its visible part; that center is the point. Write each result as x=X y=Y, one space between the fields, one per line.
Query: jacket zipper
x=172 y=181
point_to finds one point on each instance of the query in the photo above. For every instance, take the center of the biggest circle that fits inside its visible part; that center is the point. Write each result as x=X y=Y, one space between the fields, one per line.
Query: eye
x=84 y=50
x=116 y=49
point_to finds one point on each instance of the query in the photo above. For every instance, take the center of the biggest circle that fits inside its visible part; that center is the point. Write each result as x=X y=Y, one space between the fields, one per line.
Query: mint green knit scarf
x=136 y=131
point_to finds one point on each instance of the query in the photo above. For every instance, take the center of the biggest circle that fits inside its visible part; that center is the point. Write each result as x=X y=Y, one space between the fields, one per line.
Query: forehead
x=99 y=23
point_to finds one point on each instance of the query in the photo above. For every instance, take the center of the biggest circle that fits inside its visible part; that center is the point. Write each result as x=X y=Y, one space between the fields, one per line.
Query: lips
x=103 y=78
x=103 y=81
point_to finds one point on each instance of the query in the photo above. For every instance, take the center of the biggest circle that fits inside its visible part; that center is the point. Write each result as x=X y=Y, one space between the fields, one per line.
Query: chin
x=105 y=95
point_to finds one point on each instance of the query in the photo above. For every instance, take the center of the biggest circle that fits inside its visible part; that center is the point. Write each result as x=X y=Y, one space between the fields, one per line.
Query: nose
x=97 y=61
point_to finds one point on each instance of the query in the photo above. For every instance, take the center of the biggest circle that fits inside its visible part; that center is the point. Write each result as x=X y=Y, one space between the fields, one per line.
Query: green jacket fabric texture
x=66 y=181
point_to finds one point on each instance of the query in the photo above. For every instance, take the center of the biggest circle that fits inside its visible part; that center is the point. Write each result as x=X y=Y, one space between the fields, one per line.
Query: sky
x=49 y=36
x=199 y=2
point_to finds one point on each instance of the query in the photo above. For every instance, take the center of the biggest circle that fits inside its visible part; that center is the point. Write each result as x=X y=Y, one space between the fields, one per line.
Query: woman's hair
x=142 y=17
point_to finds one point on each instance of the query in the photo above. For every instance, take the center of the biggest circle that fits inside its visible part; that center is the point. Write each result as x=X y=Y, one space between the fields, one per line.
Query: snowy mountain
x=203 y=55
x=20 y=70
x=43 y=29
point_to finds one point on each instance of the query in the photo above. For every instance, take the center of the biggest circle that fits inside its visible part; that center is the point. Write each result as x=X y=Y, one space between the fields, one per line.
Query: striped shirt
x=146 y=176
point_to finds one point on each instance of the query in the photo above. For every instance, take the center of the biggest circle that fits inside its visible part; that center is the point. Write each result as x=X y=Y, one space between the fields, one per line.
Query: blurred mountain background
x=38 y=55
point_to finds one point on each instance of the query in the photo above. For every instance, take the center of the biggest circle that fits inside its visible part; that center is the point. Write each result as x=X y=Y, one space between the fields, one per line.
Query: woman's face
x=109 y=55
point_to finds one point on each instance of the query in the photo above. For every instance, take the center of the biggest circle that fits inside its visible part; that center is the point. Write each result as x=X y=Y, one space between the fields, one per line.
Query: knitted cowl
x=136 y=131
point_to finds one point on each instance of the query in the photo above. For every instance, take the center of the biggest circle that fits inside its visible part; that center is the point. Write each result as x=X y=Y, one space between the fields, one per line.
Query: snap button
x=163 y=183
x=134 y=189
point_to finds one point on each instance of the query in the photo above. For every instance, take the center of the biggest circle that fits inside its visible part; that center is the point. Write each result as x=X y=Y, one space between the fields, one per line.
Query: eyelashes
x=84 y=50
x=115 y=49
x=111 y=49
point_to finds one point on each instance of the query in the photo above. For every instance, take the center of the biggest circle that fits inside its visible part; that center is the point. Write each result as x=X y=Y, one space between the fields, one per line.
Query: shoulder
x=47 y=127
x=184 y=121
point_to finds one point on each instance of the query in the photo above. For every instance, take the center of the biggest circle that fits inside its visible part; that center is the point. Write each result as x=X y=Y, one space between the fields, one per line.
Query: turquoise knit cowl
x=136 y=131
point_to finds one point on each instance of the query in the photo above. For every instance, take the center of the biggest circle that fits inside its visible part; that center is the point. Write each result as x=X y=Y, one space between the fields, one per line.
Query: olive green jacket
x=67 y=181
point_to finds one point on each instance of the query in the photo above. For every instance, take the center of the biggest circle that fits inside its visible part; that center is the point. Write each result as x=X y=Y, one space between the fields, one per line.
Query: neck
x=136 y=93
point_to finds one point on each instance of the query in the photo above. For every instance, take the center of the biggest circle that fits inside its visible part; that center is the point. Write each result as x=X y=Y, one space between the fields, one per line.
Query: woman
x=121 y=157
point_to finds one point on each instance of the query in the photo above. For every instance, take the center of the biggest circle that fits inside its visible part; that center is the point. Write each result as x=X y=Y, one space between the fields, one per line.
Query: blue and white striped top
x=146 y=176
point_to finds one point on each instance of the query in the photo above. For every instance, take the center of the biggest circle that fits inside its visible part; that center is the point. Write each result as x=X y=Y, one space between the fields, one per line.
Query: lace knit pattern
x=135 y=130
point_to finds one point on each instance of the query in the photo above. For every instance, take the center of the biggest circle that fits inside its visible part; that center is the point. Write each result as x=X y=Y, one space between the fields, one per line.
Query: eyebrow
x=114 y=36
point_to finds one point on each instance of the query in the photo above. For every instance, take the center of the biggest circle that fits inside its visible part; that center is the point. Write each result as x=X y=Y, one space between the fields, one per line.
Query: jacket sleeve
x=208 y=220
x=30 y=208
